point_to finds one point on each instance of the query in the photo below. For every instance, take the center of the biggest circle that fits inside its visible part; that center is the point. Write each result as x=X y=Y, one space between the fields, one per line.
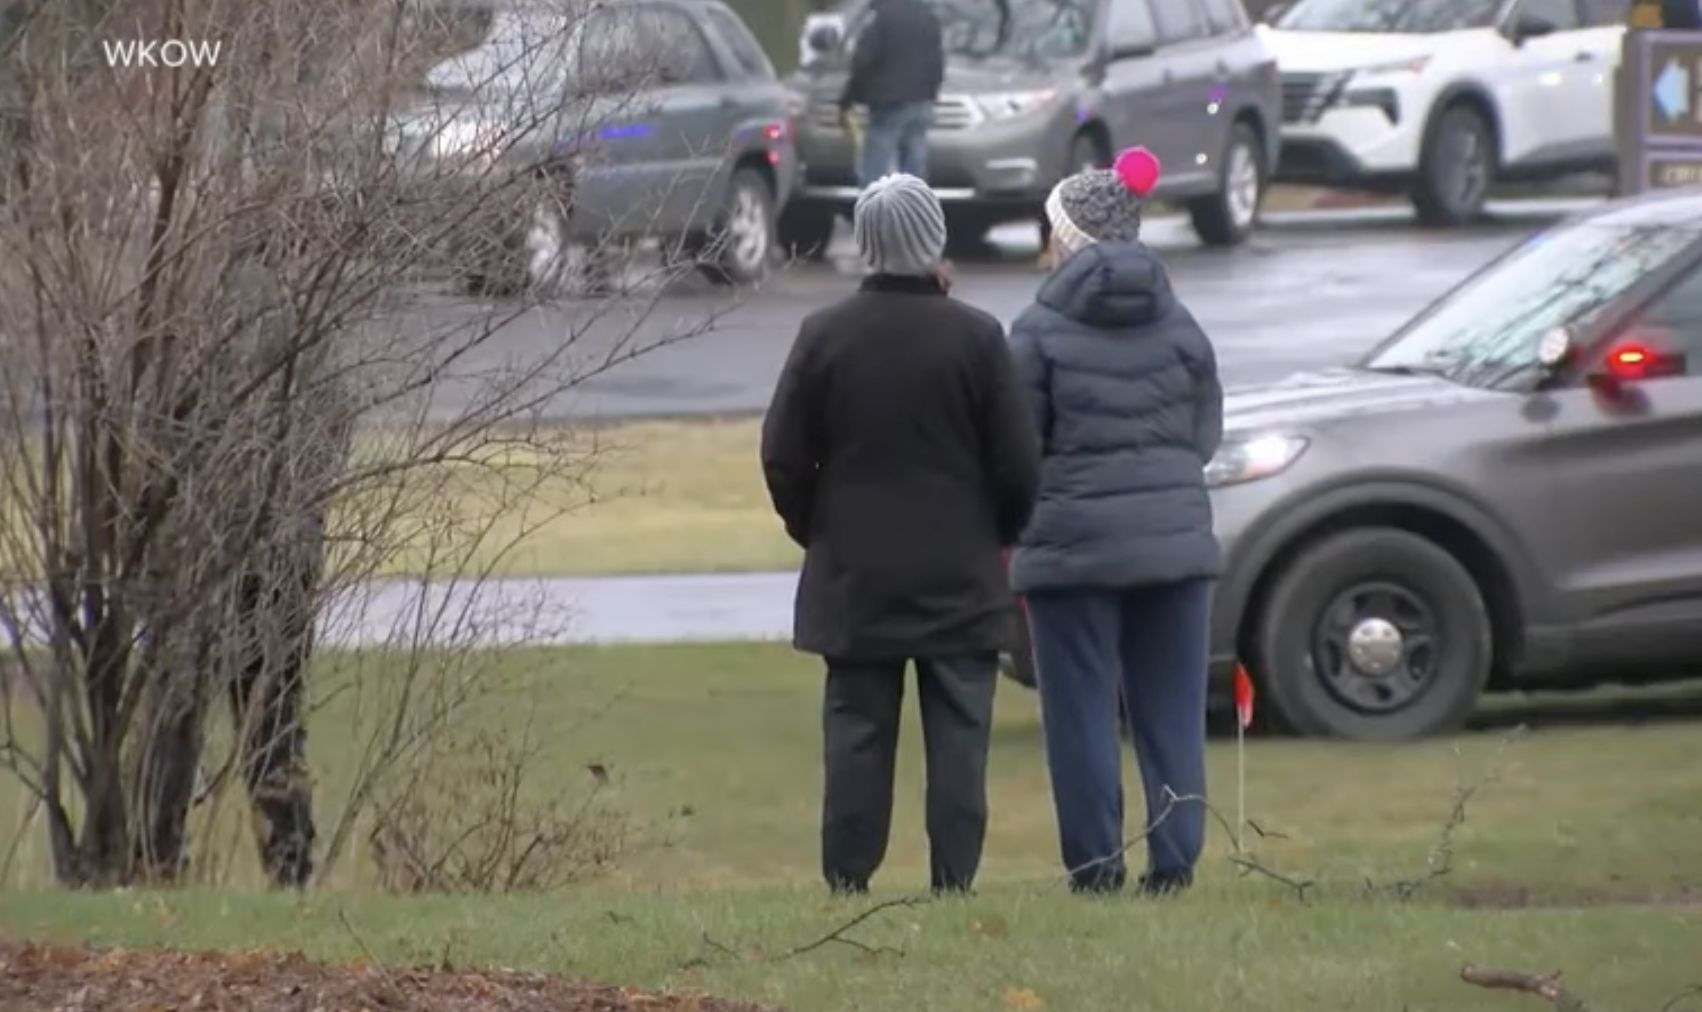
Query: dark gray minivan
x=1037 y=89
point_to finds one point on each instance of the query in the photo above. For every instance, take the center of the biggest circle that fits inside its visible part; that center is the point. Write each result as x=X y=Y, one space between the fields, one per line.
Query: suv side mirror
x=1528 y=26
x=823 y=39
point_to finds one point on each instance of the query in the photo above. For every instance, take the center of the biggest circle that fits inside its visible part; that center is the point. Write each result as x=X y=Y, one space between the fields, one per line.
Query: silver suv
x=1038 y=89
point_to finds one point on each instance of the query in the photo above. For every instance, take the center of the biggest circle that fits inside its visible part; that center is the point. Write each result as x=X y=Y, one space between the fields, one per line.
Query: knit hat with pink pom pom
x=1103 y=205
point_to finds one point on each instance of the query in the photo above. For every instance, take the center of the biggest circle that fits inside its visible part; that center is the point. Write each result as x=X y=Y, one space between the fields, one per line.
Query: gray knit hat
x=1103 y=204
x=899 y=226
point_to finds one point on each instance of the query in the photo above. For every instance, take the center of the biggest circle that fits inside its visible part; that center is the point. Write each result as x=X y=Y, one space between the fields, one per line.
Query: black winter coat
x=898 y=454
x=899 y=57
x=1124 y=391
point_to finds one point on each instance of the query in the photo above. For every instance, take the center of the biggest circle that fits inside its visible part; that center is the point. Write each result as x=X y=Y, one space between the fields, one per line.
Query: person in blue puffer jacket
x=1119 y=560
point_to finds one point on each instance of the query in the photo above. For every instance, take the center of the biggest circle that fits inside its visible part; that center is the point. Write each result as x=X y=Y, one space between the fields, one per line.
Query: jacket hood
x=1109 y=286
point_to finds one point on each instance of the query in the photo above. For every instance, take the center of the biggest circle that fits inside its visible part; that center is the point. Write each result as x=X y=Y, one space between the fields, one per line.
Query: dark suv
x=642 y=119
x=1038 y=89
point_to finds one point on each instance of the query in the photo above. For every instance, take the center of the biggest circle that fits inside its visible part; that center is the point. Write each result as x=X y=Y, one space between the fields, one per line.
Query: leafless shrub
x=234 y=395
x=472 y=818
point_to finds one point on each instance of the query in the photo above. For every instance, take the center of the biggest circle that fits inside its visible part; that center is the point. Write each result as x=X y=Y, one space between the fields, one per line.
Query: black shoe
x=1165 y=883
x=1098 y=882
x=847 y=887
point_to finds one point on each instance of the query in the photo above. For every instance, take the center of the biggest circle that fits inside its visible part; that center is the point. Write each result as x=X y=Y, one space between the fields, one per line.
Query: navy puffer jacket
x=1124 y=389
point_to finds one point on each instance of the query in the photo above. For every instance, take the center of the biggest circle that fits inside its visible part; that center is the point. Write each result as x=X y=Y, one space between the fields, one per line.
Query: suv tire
x=533 y=252
x=806 y=229
x=1455 y=169
x=739 y=250
x=1349 y=590
x=1227 y=217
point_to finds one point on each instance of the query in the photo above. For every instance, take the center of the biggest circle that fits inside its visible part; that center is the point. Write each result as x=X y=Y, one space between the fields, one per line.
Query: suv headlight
x=1009 y=104
x=1249 y=458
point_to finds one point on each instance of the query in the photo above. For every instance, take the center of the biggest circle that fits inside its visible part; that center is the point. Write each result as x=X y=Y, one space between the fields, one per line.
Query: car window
x=1178 y=21
x=1562 y=14
x=1029 y=30
x=1130 y=25
x=1224 y=16
x=682 y=54
x=744 y=46
x=1672 y=321
x=1598 y=13
x=1487 y=330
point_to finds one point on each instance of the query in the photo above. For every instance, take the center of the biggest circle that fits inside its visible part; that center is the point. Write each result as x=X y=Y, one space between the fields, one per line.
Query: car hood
x=1323 y=52
x=1315 y=399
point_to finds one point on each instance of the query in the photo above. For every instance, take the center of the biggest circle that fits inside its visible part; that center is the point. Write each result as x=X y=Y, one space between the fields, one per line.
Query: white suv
x=1437 y=99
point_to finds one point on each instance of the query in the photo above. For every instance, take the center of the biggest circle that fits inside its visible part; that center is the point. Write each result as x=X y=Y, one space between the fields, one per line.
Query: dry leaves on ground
x=59 y=978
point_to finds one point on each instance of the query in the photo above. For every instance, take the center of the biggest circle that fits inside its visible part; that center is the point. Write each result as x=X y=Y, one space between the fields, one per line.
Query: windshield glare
x=1487 y=330
x=1037 y=30
x=1416 y=17
x=524 y=54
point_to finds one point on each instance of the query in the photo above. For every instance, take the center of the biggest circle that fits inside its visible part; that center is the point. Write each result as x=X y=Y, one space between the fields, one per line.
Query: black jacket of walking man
x=896 y=452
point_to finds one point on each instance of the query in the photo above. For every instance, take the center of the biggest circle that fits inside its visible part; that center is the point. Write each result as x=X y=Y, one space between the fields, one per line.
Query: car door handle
x=1584 y=56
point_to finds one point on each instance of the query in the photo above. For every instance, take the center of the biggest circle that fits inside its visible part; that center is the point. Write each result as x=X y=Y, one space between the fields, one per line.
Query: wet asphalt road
x=1311 y=289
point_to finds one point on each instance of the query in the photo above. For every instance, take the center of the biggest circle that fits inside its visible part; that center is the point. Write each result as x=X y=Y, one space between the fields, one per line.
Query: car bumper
x=1379 y=142
x=1012 y=162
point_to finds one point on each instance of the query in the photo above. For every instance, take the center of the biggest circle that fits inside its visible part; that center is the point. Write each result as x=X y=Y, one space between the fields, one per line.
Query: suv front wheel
x=1227 y=217
x=1455 y=168
x=1372 y=634
x=738 y=251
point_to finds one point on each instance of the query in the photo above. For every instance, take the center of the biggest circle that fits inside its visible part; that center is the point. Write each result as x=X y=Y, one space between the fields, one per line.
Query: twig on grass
x=389 y=982
x=838 y=936
x=1671 y=1004
x=1543 y=986
x=1439 y=864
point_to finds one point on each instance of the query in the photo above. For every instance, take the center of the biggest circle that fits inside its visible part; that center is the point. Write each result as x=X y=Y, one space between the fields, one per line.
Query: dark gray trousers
x=861 y=714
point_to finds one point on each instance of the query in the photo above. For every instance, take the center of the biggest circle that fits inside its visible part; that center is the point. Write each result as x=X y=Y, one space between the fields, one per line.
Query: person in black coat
x=898 y=455
x=1117 y=565
x=897 y=69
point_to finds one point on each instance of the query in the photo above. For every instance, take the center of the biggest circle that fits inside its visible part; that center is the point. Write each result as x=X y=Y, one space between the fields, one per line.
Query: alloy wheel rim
x=549 y=255
x=1468 y=153
x=1242 y=186
x=747 y=231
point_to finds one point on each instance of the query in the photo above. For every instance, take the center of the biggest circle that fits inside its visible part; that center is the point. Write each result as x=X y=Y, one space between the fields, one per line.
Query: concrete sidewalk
x=548 y=612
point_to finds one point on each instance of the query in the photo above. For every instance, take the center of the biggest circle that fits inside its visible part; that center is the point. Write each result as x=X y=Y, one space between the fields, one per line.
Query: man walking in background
x=896 y=71
x=898 y=453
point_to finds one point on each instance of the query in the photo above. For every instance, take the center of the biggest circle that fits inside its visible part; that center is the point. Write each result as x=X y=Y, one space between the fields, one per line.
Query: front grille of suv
x=951 y=112
x=1305 y=97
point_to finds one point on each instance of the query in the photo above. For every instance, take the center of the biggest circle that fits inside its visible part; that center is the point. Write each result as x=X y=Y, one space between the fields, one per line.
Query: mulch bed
x=62 y=978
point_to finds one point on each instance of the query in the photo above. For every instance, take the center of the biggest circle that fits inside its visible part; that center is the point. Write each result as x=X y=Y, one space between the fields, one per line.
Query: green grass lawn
x=645 y=497
x=1581 y=855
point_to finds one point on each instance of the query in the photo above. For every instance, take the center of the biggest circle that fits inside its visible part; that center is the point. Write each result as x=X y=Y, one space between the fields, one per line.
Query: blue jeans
x=1152 y=642
x=896 y=141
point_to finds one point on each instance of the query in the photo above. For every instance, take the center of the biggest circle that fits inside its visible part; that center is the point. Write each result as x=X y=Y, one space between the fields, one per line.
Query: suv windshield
x=525 y=53
x=1486 y=332
x=1412 y=17
x=1032 y=30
